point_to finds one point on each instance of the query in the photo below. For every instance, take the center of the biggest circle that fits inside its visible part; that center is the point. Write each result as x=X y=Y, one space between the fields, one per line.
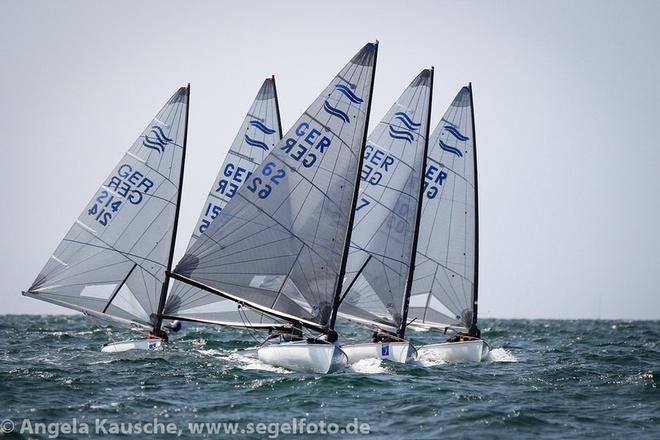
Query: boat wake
x=500 y=355
x=243 y=362
x=368 y=366
x=428 y=359
x=250 y=363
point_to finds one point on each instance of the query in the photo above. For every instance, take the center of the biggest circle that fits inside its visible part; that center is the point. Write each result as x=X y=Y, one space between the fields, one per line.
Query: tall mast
x=166 y=283
x=342 y=270
x=277 y=107
x=411 y=270
x=476 y=216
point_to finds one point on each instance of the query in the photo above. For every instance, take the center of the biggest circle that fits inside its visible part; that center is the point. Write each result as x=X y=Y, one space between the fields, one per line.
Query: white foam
x=429 y=359
x=244 y=362
x=211 y=352
x=368 y=366
x=250 y=363
x=500 y=355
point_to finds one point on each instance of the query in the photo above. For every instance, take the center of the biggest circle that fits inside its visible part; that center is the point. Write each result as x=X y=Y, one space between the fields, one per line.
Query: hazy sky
x=566 y=108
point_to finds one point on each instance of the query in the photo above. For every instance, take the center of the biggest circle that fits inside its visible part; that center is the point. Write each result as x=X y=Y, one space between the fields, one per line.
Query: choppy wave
x=570 y=379
x=368 y=366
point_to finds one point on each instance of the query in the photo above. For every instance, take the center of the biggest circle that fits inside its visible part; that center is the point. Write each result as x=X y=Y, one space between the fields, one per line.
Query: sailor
x=175 y=326
x=381 y=335
x=329 y=336
x=291 y=333
x=474 y=331
x=158 y=334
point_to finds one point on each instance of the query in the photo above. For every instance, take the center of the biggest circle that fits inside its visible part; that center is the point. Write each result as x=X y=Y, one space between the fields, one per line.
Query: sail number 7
x=269 y=173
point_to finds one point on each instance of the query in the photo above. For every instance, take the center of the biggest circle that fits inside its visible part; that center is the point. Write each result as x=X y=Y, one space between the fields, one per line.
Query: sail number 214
x=269 y=173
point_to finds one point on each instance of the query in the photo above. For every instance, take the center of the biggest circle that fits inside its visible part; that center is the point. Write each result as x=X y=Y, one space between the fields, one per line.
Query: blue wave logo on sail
x=450 y=149
x=454 y=132
x=255 y=143
x=156 y=139
x=349 y=94
x=407 y=121
x=261 y=126
x=406 y=132
x=458 y=135
x=401 y=134
x=335 y=112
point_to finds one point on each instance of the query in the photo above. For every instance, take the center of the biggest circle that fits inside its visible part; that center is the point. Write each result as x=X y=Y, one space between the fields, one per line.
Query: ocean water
x=546 y=378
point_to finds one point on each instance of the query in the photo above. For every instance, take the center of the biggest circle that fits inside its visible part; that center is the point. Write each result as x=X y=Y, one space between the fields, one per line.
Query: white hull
x=303 y=357
x=466 y=351
x=400 y=352
x=141 y=344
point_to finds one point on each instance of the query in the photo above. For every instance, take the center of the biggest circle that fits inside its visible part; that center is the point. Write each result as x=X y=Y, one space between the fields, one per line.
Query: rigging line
x=286 y=278
x=249 y=329
x=357 y=275
x=119 y=286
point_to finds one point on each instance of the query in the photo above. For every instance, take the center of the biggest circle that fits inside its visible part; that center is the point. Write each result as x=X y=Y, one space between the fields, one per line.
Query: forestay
x=279 y=244
x=444 y=276
x=112 y=262
x=386 y=212
x=259 y=133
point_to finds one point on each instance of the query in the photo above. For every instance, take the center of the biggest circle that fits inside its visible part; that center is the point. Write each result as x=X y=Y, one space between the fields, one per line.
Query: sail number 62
x=271 y=173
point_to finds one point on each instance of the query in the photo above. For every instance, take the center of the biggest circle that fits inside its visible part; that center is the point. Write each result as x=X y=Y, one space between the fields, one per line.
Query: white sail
x=259 y=134
x=279 y=243
x=386 y=212
x=444 y=277
x=113 y=260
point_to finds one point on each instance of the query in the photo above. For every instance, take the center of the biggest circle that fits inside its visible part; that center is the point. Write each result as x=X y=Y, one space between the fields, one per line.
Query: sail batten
x=278 y=244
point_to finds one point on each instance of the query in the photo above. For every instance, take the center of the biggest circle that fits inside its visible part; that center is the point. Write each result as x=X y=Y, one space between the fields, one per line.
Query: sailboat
x=382 y=258
x=112 y=263
x=260 y=132
x=280 y=245
x=446 y=276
